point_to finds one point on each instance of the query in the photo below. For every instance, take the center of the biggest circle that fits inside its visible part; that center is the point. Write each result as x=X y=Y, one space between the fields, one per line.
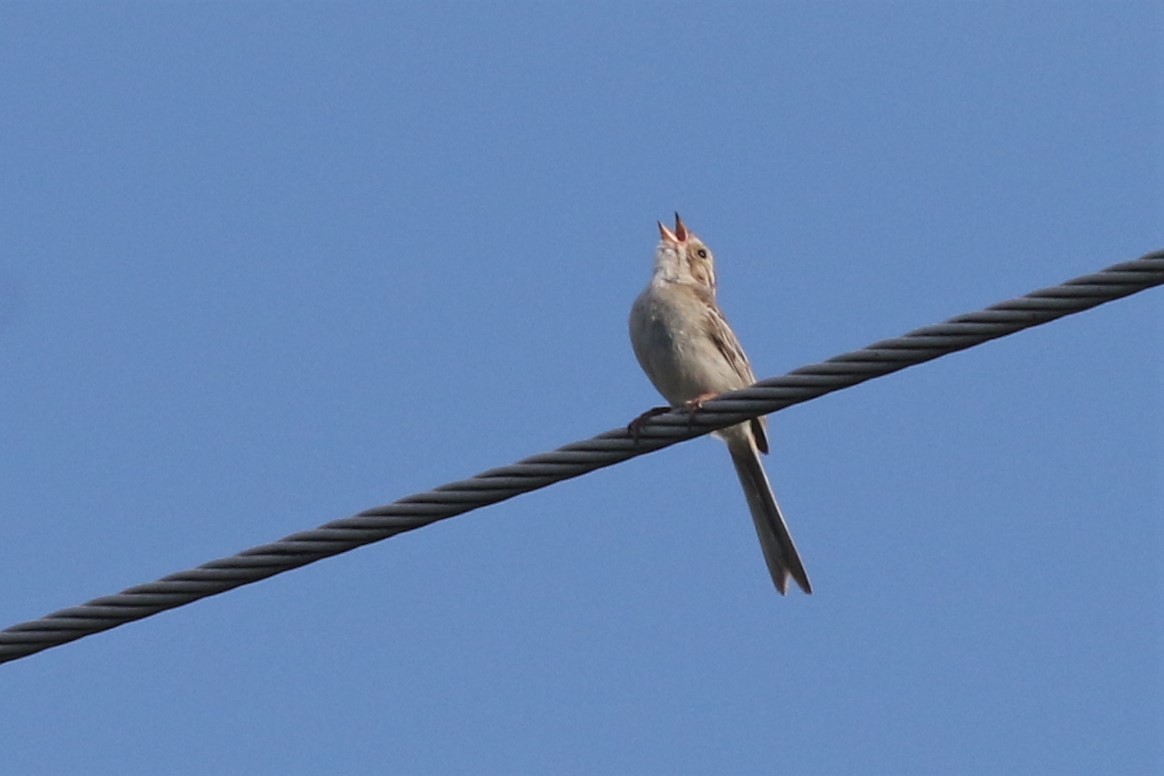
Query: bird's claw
x=635 y=427
x=693 y=406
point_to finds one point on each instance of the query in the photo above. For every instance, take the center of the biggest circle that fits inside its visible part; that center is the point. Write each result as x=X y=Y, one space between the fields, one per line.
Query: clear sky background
x=266 y=265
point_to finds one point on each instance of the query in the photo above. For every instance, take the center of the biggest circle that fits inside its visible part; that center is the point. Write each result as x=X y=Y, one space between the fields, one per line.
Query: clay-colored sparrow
x=689 y=352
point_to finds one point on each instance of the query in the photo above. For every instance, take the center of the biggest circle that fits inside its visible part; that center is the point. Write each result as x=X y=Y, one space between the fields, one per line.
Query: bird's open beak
x=676 y=237
x=667 y=234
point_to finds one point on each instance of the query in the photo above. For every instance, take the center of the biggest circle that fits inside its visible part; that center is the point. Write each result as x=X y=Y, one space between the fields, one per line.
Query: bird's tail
x=779 y=551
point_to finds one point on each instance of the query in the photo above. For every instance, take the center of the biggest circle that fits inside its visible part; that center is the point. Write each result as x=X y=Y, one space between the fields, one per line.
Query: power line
x=574 y=460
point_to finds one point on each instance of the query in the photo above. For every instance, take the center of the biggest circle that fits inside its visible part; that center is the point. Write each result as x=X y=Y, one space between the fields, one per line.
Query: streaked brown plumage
x=690 y=353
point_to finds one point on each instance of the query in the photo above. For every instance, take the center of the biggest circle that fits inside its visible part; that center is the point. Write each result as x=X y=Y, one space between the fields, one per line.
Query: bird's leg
x=635 y=427
x=693 y=406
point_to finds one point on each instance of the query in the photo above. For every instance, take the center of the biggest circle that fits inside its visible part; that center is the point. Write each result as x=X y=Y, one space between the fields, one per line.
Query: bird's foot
x=693 y=406
x=635 y=427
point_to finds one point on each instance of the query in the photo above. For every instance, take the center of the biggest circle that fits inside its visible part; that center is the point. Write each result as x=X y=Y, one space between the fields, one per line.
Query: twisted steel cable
x=421 y=509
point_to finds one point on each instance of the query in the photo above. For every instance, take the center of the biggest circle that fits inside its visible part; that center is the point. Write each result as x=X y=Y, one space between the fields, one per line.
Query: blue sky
x=267 y=265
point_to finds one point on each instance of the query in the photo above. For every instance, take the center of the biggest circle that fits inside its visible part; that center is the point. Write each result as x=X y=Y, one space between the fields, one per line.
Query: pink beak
x=678 y=236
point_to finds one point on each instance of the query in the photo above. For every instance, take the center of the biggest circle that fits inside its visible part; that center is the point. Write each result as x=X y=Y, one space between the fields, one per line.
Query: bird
x=684 y=344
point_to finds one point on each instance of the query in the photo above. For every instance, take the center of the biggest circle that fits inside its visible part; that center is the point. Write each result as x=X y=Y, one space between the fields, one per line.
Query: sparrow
x=684 y=343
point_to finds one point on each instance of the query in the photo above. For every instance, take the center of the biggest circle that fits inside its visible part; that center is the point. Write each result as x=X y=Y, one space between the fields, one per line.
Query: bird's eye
x=702 y=253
